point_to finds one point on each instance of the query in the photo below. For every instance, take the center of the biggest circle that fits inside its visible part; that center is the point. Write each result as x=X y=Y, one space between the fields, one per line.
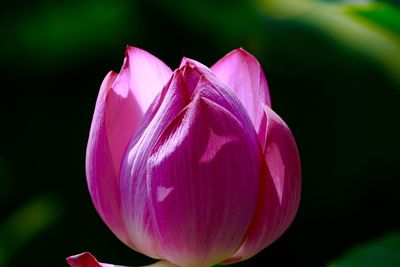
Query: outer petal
x=203 y=178
x=134 y=199
x=243 y=74
x=119 y=109
x=87 y=260
x=100 y=172
x=273 y=216
x=141 y=79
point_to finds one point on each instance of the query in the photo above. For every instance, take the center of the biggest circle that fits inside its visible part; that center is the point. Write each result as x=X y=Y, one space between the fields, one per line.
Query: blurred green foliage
x=26 y=222
x=54 y=31
x=333 y=69
x=381 y=252
x=369 y=28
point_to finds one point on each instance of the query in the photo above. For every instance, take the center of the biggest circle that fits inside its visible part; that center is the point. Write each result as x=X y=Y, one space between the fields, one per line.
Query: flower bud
x=191 y=166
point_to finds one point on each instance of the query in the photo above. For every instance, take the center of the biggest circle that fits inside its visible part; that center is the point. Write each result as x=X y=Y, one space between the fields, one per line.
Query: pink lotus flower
x=191 y=166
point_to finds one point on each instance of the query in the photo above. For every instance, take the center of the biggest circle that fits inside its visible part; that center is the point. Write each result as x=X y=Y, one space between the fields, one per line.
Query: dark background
x=333 y=69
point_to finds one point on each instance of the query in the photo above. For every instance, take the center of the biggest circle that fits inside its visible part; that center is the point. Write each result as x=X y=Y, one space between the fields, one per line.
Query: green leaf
x=374 y=38
x=384 y=251
x=382 y=14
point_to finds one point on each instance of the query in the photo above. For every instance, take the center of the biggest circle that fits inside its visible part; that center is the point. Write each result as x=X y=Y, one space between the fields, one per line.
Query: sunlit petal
x=207 y=169
x=243 y=74
x=134 y=200
x=140 y=80
x=102 y=177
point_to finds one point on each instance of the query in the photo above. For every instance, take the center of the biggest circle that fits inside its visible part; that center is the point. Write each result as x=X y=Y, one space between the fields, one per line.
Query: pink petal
x=280 y=196
x=191 y=75
x=283 y=161
x=243 y=74
x=120 y=106
x=87 y=260
x=101 y=175
x=141 y=79
x=192 y=63
x=209 y=86
x=133 y=186
x=203 y=178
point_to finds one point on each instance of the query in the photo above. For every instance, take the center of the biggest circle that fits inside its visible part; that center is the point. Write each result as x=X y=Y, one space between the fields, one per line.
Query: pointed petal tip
x=112 y=73
x=192 y=63
x=243 y=53
x=110 y=76
x=243 y=74
x=184 y=62
x=134 y=49
x=242 y=50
